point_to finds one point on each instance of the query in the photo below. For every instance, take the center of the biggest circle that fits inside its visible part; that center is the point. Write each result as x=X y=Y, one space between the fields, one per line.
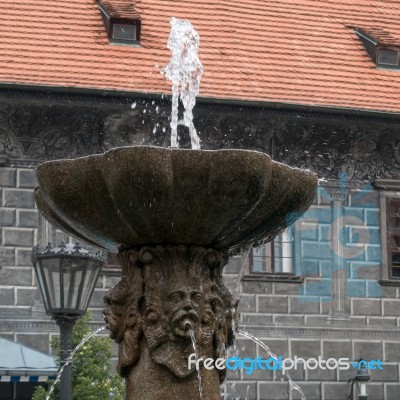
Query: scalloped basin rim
x=133 y=196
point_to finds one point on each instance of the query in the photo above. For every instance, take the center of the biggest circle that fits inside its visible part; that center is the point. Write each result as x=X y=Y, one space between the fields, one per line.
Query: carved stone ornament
x=167 y=294
x=54 y=127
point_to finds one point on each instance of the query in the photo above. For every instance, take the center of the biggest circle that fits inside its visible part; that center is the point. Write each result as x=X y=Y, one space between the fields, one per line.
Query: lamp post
x=362 y=379
x=67 y=277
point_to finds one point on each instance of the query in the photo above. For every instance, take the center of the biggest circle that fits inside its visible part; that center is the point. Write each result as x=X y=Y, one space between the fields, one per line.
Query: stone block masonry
x=292 y=318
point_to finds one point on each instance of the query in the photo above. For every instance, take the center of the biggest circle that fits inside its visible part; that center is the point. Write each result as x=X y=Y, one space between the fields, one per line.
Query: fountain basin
x=133 y=196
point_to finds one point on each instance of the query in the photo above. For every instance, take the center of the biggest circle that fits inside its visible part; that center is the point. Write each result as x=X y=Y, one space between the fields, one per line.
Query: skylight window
x=121 y=21
x=382 y=48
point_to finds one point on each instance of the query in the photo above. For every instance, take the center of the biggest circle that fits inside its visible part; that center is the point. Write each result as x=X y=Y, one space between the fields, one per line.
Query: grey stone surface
x=368 y=350
x=24 y=257
x=27 y=218
x=288 y=320
x=17 y=237
x=384 y=322
x=273 y=391
x=388 y=291
x=245 y=347
x=310 y=348
x=15 y=312
x=335 y=390
x=336 y=349
x=304 y=305
x=321 y=375
x=247 y=303
x=392 y=351
x=15 y=276
x=392 y=391
x=7 y=177
x=7 y=217
x=366 y=307
x=97 y=300
x=375 y=391
x=273 y=304
x=311 y=390
x=26 y=296
x=7 y=296
x=279 y=347
x=240 y=390
x=255 y=319
x=391 y=308
x=390 y=372
x=26 y=178
x=18 y=198
x=7 y=256
x=257 y=287
x=259 y=375
x=287 y=288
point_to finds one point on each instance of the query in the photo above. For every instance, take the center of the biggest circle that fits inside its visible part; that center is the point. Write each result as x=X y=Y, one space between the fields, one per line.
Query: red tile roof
x=120 y=8
x=288 y=51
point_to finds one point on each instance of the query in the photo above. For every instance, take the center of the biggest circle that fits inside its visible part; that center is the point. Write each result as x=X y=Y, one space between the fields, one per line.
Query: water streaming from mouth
x=69 y=359
x=197 y=364
x=293 y=386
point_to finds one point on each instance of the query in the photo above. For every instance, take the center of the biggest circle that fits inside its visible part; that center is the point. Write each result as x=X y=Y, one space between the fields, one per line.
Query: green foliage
x=92 y=375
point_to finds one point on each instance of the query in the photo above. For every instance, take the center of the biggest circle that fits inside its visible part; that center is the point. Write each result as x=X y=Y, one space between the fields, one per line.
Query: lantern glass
x=66 y=278
x=89 y=280
x=51 y=272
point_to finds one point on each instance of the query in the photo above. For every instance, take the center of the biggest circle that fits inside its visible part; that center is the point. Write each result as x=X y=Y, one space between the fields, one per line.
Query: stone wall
x=295 y=319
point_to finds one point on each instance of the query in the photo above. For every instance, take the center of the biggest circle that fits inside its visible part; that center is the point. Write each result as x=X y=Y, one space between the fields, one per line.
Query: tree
x=92 y=375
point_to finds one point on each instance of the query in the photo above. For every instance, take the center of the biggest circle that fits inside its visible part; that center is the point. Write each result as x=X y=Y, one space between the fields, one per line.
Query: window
x=124 y=31
x=393 y=237
x=274 y=257
x=381 y=47
x=389 y=208
x=121 y=21
x=388 y=57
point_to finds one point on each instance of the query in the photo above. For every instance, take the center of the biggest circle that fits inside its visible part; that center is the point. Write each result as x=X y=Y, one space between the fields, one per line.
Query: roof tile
x=299 y=51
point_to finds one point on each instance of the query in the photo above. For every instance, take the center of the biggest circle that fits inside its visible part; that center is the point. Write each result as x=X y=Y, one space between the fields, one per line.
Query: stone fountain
x=174 y=216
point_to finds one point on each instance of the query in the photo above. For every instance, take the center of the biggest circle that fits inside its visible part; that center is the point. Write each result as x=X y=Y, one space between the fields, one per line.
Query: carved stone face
x=115 y=310
x=183 y=305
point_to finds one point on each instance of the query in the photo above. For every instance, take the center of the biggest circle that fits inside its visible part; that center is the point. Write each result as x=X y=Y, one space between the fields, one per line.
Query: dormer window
x=388 y=57
x=383 y=49
x=121 y=21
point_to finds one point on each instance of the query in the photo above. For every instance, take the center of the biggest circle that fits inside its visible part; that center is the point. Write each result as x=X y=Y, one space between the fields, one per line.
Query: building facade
x=338 y=297
x=315 y=86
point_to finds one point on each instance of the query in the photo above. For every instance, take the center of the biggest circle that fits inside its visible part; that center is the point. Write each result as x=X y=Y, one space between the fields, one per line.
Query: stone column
x=340 y=309
x=169 y=295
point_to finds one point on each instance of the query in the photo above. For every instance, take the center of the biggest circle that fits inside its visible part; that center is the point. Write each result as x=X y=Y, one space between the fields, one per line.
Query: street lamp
x=362 y=379
x=67 y=276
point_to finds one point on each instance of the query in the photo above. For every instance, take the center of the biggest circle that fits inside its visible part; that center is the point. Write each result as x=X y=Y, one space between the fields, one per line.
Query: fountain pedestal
x=170 y=303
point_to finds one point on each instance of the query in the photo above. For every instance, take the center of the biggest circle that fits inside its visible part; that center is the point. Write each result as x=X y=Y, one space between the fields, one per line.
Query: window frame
x=388 y=189
x=288 y=277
